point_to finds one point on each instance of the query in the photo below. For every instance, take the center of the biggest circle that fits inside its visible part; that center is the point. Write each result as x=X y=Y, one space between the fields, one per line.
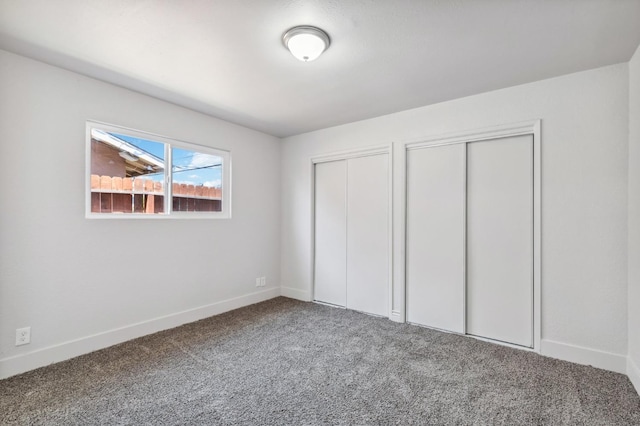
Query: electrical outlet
x=258 y=282
x=263 y=281
x=23 y=336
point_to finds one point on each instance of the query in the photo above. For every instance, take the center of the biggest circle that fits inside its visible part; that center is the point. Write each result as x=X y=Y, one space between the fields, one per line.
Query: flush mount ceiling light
x=306 y=43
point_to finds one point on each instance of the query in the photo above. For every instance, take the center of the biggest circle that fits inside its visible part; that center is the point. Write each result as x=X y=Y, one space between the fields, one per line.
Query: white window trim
x=170 y=142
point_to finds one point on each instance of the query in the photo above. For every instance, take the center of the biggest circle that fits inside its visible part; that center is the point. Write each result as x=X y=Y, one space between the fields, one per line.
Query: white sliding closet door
x=435 y=236
x=500 y=239
x=330 y=271
x=368 y=234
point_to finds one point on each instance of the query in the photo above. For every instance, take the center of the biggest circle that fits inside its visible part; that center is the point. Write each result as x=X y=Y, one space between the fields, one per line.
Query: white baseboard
x=63 y=351
x=633 y=371
x=585 y=356
x=294 y=293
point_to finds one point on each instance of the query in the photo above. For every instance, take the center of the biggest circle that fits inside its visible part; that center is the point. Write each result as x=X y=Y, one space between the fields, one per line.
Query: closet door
x=435 y=237
x=368 y=234
x=330 y=269
x=500 y=239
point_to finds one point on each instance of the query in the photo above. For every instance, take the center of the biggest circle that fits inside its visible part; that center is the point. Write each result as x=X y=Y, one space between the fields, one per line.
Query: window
x=137 y=174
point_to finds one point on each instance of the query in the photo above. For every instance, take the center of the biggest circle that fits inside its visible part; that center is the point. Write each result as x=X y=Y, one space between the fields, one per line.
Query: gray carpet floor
x=287 y=362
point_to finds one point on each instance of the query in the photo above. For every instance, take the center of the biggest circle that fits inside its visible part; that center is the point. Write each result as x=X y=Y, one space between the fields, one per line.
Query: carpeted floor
x=288 y=362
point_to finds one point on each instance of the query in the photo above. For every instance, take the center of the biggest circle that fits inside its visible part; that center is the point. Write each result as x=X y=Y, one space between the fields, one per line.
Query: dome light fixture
x=306 y=43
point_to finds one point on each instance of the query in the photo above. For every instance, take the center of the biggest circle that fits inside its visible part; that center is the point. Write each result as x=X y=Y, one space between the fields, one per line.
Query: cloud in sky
x=196 y=168
x=203 y=160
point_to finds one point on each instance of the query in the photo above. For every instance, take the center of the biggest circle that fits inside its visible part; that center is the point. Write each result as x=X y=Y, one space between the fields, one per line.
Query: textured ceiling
x=226 y=58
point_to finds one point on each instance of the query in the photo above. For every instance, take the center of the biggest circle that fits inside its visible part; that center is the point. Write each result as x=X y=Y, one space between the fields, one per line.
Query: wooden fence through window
x=139 y=195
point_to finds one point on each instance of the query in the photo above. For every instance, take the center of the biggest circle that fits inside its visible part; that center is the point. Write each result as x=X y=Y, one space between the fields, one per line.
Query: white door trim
x=345 y=155
x=532 y=127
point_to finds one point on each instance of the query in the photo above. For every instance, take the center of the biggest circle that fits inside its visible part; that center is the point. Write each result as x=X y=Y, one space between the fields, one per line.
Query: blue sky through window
x=189 y=167
x=196 y=168
x=154 y=148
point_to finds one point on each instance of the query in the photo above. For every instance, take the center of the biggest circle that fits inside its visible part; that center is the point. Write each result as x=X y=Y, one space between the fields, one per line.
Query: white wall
x=633 y=367
x=584 y=199
x=82 y=284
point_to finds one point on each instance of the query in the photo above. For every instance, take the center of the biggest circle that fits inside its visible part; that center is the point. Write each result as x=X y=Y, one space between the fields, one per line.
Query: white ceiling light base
x=306 y=43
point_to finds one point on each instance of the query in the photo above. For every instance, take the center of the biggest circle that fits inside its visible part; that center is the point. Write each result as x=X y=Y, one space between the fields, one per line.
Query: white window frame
x=168 y=187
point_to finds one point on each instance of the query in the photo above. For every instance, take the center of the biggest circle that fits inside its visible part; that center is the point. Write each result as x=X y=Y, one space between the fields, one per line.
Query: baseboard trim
x=633 y=371
x=39 y=358
x=585 y=356
x=294 y=293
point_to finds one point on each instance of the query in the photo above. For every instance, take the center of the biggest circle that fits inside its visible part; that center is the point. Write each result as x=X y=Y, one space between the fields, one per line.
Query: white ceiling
x=226 y=58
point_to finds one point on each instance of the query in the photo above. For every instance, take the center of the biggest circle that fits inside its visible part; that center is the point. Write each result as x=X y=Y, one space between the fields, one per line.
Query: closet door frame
x=346 y=155
x=532 y=128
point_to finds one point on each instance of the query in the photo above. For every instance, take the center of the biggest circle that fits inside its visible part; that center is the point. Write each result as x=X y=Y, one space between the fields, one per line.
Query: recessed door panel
x=435 y=237
x=330 y=269
x=368 y=234
x=500 y=239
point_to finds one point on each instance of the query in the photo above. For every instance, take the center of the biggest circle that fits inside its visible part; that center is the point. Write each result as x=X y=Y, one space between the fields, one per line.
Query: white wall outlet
x=23 y=336
x=258 y=282
x=263 y=281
